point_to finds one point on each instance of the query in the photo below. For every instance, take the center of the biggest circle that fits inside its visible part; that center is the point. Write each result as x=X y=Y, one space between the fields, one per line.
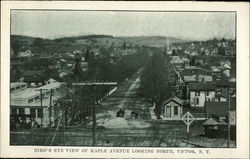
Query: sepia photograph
x=123 y=78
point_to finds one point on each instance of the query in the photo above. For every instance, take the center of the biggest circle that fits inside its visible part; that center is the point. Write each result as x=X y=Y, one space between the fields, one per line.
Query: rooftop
x=202 y=86
x=31 y=92
x=194 y=71
x=31 y=73
x=219 y=108
x=176 y=99
x=16 y=84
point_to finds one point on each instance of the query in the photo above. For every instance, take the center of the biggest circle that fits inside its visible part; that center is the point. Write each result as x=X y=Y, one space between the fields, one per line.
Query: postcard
x=124 y=79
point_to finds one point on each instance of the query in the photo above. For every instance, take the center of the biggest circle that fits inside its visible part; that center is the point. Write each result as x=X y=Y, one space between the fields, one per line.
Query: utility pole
x=50 y=106
x=94 y=85
x=228 y=124
x=41 y=96
x=94 y=117
x=64 y=120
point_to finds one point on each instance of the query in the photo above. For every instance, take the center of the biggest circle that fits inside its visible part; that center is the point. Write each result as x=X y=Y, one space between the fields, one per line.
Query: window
x=21 y=111
x=33 y=112
x=30 y=100
x=37 y=98
x=197 y=93
x=175 y=110
x=197 y=101
x=40 y=112
x=207 y=93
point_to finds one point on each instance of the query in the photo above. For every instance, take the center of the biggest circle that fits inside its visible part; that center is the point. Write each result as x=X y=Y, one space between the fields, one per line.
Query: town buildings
x=34 y=104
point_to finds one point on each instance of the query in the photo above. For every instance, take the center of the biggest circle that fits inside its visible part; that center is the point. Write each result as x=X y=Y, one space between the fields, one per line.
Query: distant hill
x=153 y=41
x=85 y=37
x=41 y=46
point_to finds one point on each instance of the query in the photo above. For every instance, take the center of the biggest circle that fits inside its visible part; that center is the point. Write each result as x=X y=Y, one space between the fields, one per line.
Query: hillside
x=153 y=41
x=68 y=44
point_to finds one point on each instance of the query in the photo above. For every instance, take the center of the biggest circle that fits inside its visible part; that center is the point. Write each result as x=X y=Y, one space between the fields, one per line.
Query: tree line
x=155 y=80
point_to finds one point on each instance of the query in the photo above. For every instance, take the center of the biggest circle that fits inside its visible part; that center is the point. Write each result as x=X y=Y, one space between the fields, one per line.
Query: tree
x=174 y=53
x=154 y=83
x=77 y=72
x=37 y=42
x=16 y=45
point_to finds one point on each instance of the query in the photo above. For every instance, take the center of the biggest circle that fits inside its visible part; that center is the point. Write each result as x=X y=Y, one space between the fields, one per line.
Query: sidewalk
x=152 y=113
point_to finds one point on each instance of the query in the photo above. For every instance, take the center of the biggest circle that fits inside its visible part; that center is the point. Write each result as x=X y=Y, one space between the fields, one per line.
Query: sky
x=188 y=25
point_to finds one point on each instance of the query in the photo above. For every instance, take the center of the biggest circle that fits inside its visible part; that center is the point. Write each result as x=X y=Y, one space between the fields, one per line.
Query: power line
x=93 y=85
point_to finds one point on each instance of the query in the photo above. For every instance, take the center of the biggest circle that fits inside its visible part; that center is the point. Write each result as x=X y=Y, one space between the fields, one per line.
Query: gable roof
x=30 y=73
x=212 y=121
x=194 y=71
x=219 y=108
x=224 y=83
x=202 y=86
x=175 y=99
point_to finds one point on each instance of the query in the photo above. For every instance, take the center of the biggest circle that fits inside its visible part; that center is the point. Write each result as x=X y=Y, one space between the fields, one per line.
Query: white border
x=242 y=9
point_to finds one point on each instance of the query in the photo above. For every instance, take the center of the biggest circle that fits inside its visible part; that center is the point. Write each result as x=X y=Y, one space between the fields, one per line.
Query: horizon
x=187 y=26
x=114 y=36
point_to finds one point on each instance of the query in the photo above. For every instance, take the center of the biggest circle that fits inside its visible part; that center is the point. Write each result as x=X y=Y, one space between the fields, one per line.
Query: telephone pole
x=41 y=96
x=94 y=117
x=228 y=124
x=94 y=85
x=50 y=106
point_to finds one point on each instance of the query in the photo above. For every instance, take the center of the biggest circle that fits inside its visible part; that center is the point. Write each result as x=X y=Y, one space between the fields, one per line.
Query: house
x=172 y=109
x=216 y=71
x=199 y=93
x=226 y=72
x=33 y=78
x=213 y=128
x=232 y=79
x=51 y=80
x=196 y=74
x=223 y=87
x=225 y=64
x=218 y=128
x=194 y=53
x=64 y=71
x=26 y=104
x=179 y=60
x=26 y=53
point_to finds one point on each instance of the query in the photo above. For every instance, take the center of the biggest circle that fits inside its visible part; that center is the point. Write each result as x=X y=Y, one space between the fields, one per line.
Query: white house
x=226 y=72
x=26 y=53
x=199 y=93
